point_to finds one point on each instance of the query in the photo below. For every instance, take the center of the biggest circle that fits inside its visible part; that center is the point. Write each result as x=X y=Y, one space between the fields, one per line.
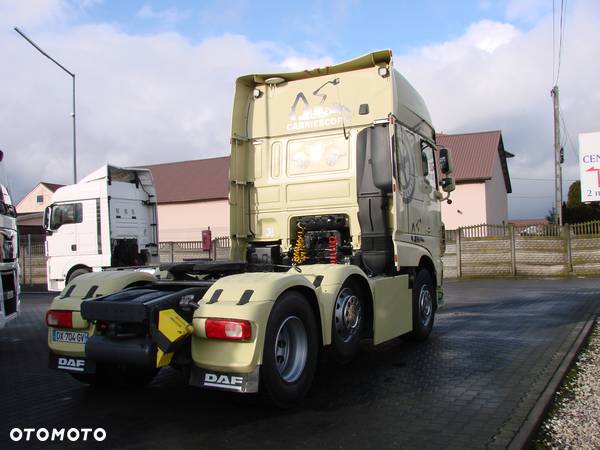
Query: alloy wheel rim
x=291 y=349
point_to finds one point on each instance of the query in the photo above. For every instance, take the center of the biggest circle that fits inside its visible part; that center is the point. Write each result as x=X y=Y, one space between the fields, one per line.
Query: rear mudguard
x=85 y=287
x=251 y=296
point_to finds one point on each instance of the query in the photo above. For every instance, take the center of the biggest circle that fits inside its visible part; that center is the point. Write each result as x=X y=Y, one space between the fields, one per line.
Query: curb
x=530 y=426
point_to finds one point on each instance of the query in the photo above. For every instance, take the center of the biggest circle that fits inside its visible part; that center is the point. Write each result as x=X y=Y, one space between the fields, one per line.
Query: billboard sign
x=589 y=166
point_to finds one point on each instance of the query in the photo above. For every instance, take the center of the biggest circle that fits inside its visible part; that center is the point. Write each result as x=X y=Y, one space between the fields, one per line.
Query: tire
x=117 y=376
x=347 y=322
x=291 y=352
x=423 y=295
x=76 y=273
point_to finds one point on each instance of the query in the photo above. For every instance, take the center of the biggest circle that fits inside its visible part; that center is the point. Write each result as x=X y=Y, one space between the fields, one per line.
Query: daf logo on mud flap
x=232 y=382
x=71 y=364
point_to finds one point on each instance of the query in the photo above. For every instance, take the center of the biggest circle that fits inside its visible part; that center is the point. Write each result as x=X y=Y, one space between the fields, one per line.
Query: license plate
x=71 y=337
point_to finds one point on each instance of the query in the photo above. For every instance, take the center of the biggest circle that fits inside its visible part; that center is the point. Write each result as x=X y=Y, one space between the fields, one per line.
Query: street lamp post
x=73 y=113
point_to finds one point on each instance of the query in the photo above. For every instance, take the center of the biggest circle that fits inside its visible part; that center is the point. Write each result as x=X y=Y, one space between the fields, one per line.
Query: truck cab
x=335 y=190
x=108 y=219
x=9 y=264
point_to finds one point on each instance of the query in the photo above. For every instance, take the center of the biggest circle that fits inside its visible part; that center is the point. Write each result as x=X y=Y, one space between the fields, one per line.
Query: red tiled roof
x=474 y=155
x=195 y=180
x=52 y=186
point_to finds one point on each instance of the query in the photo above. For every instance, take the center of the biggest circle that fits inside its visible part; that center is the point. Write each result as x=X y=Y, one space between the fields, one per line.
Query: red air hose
x=332 y=250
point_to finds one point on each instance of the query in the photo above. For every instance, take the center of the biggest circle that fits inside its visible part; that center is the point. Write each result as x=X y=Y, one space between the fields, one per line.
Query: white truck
x=9 y=262
x=335 y=190
x=108 y=219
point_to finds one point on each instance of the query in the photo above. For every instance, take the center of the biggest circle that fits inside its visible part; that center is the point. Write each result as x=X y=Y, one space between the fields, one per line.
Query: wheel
x=76 y=273
x=291 y=351
x=117 y=376
x=423 y=307
x=348 y=322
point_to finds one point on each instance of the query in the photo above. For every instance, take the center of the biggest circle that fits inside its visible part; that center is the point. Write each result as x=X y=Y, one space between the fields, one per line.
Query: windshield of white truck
x=64 y=214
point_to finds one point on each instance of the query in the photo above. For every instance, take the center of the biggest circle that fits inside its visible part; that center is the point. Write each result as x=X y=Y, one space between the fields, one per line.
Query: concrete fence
x=534 y=250
x=477 y=251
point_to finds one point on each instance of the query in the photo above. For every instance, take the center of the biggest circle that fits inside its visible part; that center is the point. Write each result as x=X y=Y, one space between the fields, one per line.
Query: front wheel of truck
x=291 y=351
x=423 y=293
x=117 y=376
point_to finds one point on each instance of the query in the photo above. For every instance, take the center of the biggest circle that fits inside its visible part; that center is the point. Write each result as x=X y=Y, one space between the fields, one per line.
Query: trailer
x=335 y=190
x=108 y=219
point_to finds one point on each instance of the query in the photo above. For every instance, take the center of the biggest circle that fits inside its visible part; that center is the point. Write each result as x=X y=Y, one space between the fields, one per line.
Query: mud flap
x=71 y=364
x=228 y=381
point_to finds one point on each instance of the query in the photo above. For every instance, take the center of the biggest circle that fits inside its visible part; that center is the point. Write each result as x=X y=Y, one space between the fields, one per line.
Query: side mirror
x=445 y=161
x=47 y=212
x=448 y=184
x=425 y=163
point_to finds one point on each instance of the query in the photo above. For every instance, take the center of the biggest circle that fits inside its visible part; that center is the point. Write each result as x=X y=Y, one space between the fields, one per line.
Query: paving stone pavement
x=494 y=348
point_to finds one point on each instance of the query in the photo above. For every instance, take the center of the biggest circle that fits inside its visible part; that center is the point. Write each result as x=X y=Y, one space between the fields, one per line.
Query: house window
x=40 y=199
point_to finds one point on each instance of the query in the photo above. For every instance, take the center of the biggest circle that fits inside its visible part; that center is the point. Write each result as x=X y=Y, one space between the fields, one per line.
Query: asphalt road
x=471 y=385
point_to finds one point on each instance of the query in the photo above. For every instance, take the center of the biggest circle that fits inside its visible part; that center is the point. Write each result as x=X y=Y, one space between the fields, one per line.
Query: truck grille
x=9 y=292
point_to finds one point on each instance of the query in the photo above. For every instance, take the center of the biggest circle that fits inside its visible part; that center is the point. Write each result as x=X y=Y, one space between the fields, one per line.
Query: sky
x=155 y=79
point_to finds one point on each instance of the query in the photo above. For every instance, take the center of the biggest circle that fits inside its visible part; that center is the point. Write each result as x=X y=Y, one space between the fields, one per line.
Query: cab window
x=428 y=158
x=65 y=214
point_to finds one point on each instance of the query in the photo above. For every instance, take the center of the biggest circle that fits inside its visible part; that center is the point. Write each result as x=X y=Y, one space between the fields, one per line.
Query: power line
x=530 y=196
x=535 y=179
x=563 y=24
x=562 y=117
x=553 y=38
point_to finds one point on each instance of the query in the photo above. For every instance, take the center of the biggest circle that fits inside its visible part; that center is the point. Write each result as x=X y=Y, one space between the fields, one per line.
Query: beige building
x=38 y=198
x=192 y=196
x=482 y=179
x=30 y=209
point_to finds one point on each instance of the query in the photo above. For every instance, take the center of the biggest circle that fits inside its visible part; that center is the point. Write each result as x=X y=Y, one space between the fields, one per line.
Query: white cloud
x=529 y=10
x=140 y=99
x=158 y=98
x=502 y=80
x=485 y=36
x=170 y=15
x=26 y=14
x=297 y=63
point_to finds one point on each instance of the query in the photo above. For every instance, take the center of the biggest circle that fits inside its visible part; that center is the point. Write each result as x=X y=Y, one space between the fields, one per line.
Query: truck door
x=63 y=224
x=86 y=229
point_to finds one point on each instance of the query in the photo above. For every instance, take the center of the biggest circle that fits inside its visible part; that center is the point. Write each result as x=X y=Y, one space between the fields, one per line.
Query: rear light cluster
x=60 y=319
x=229 y=329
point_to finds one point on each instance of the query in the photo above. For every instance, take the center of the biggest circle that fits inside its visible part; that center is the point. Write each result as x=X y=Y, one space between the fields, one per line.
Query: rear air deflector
x=372 y=146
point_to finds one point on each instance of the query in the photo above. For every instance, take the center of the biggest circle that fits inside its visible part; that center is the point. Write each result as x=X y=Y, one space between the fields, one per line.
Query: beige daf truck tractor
x=336 y=237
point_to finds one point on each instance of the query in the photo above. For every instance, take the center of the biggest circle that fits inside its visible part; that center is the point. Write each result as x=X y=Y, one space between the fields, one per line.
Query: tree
x=574 y=196
x=552 y=217
x=574 y=211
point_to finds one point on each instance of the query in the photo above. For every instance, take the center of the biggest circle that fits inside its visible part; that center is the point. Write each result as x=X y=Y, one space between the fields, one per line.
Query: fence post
x=172 y=252
x=458 y=252
x=567 y=236
x=513 y=253
x=29 y=255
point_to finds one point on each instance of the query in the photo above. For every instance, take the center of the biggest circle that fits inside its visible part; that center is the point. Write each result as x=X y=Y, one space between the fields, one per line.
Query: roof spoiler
x=377 y=58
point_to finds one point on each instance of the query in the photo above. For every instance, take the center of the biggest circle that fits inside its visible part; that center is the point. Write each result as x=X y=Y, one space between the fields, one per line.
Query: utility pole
x=557 y=158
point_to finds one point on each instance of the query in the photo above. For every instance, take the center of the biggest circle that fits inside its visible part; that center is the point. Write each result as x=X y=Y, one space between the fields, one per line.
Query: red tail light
x=60 y=319
x=229 y=329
